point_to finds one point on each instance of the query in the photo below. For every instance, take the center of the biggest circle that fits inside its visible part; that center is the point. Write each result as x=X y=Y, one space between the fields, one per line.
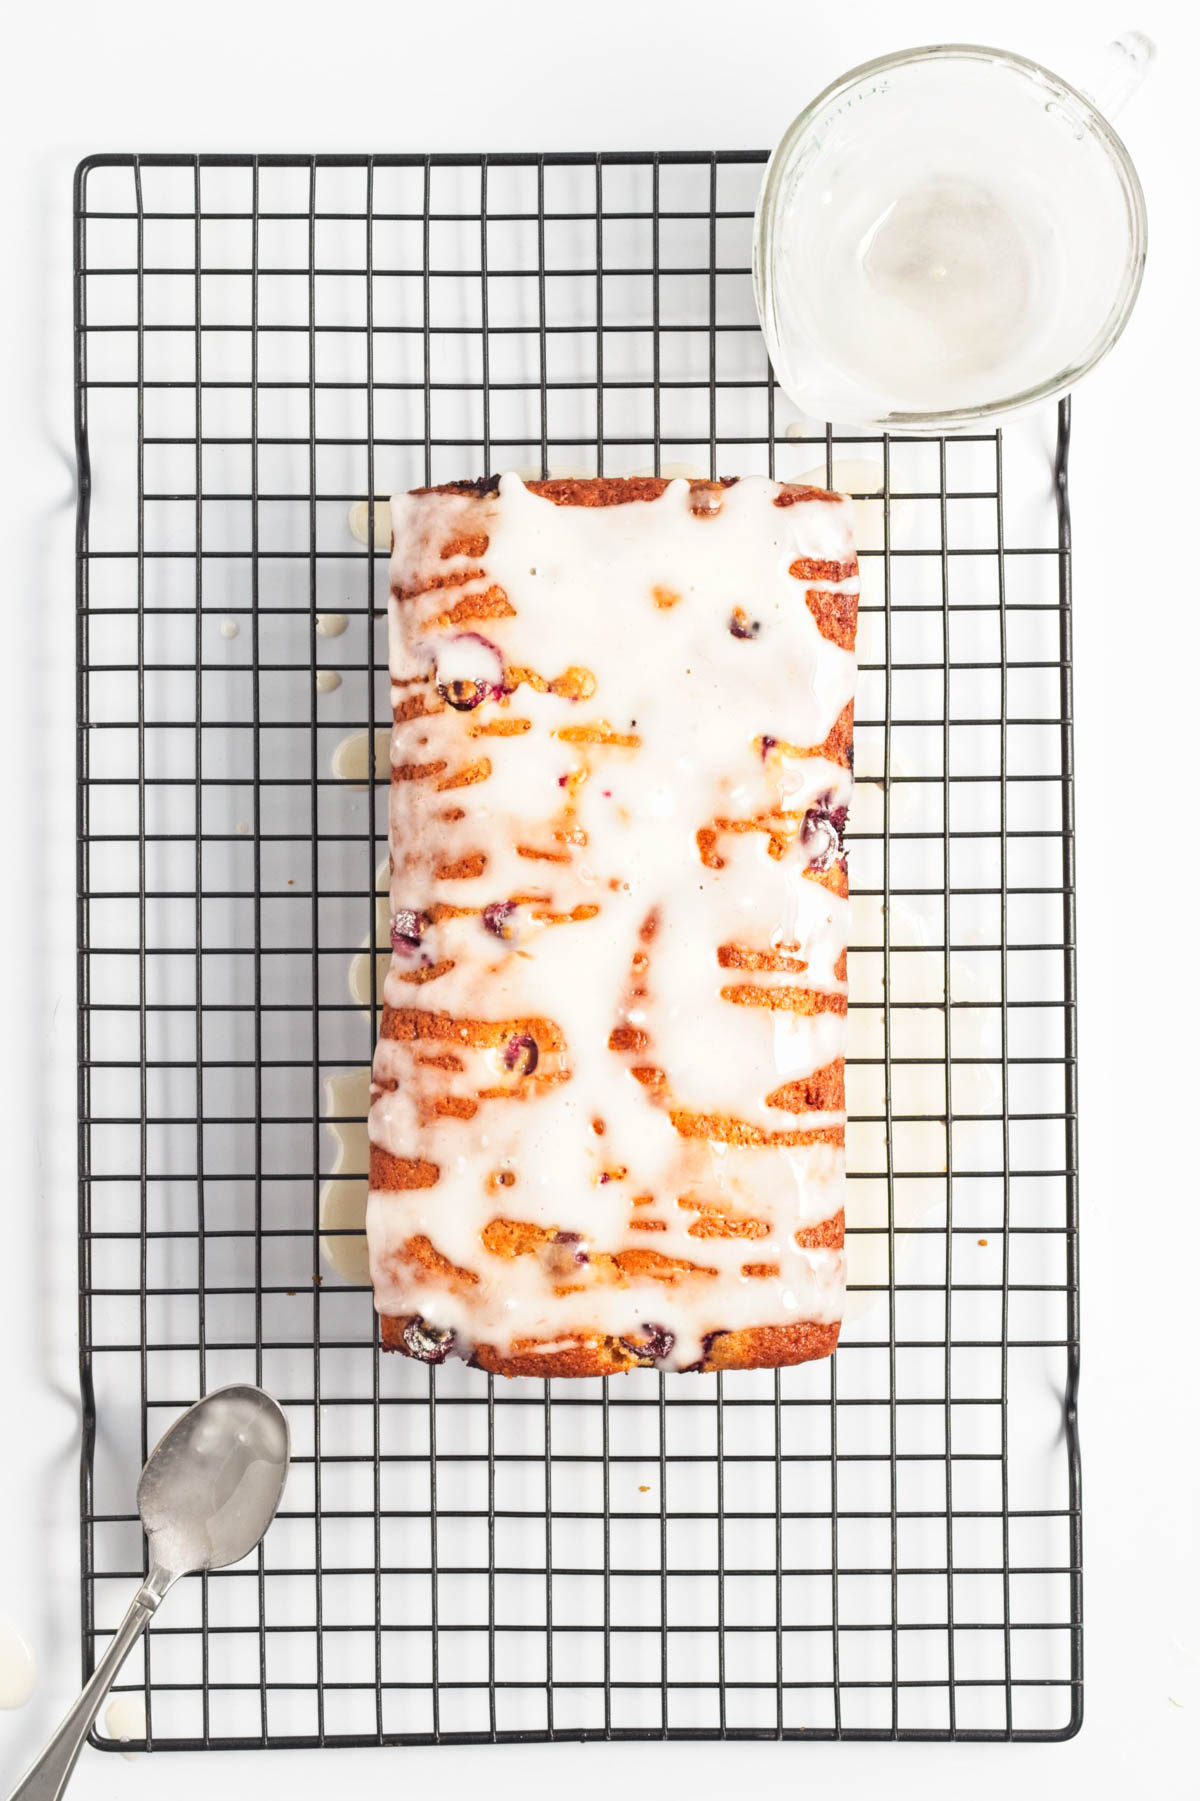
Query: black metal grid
x=887 y=1545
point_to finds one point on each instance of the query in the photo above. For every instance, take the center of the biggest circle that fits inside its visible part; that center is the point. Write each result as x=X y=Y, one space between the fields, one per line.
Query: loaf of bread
x=608 y=1110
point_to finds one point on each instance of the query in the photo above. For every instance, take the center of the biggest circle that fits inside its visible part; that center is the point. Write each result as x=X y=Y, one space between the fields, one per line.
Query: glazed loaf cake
x=607 y=1122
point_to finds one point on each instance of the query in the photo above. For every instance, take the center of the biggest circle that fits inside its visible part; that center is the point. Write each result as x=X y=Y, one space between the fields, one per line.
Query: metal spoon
x=209 y=1490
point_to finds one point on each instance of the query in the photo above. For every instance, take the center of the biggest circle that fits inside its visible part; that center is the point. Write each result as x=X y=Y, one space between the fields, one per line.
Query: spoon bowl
x=213 y=1483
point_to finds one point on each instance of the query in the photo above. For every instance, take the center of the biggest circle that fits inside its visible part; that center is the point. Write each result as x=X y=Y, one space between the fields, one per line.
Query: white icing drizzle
x=674 y=634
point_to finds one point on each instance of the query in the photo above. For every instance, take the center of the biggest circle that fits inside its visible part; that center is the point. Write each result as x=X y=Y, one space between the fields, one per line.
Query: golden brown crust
x=790 y=492
x=720 y=1128
x=829 y=1235
x=820 y=569
x=772 y=1347
x=414 y=1023
x=822 y=1092
x=609 y=491
x=836 y=615
x=396 y=1174
x=839 y=746
x=754 y=1347
x=582 y=491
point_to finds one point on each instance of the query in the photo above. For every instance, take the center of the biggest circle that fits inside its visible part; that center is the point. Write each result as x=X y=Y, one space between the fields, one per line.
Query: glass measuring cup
x=948 y=233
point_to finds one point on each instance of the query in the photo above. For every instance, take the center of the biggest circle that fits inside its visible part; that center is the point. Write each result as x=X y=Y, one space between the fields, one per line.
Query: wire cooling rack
x=885 y=1545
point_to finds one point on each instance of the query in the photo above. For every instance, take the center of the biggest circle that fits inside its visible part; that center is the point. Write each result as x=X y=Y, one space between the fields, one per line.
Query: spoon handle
x=47 y=1778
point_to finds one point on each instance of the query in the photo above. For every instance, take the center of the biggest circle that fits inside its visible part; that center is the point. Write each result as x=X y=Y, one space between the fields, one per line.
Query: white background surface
x=244 y=76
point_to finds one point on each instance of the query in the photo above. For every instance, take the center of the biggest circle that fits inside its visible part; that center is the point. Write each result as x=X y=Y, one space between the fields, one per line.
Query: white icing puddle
x=863 y=479
x=359 y=521
x=359 y=973
x=125 y=1719
x=918 y=1144
x=18 y=1668
x=328 y=680
x=343 y=1199
x=352 y=758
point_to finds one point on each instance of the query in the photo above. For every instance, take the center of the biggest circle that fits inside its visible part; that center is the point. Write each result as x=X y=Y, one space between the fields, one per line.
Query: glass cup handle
x=1118 y=72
